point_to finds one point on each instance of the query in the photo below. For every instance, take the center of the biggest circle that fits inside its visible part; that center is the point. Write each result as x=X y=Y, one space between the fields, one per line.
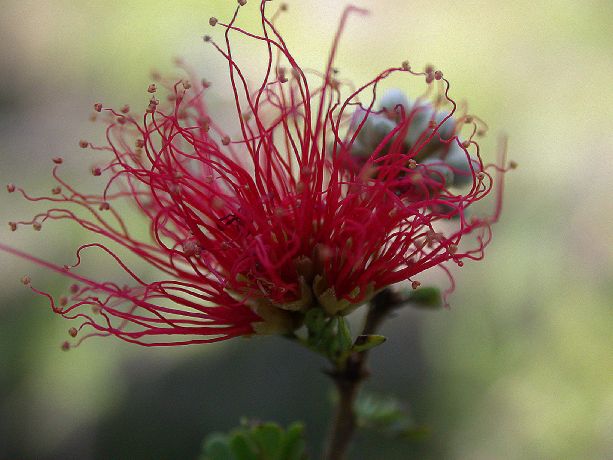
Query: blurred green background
x=520 y=368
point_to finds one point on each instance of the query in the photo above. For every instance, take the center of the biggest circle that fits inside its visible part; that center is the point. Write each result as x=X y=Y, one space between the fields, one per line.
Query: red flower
x=322 y=196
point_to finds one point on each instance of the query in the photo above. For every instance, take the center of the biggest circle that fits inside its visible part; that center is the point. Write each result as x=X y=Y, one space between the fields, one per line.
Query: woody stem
x=349 y=375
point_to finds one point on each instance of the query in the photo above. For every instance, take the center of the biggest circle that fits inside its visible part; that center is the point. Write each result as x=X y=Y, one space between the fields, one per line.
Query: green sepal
x=328 y=336
x=426 y=297
x=344 y=338
x=366 y=342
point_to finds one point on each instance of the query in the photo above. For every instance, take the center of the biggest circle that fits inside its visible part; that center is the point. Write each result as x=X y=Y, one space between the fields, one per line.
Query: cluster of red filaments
x=295 y=209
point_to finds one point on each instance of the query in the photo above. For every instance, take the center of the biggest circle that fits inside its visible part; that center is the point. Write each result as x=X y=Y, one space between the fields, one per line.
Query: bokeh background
x=520 y=368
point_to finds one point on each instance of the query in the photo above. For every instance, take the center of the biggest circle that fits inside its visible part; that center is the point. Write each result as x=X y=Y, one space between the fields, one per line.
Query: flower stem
x=349 y=375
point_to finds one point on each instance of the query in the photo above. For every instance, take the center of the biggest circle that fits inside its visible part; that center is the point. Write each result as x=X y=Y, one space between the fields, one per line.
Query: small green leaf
x=418 y=433
x=344 y=335
x=427 y=297
x=366 y=342
x=293 y=443
x=257 y=441
x=387 y=415
x=242 y=448
x=268 y=437
x=216 y=448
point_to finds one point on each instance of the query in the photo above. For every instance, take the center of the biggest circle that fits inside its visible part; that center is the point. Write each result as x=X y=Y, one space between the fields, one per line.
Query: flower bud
x=458 y=160
x=438 y=170
x=394 y=102
x=420 y=120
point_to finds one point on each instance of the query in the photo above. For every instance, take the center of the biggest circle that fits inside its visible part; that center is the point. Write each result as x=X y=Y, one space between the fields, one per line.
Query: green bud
x=420 y=120
x=392 y=101
x=438 y=170
x=458 y=159
x=447 y=129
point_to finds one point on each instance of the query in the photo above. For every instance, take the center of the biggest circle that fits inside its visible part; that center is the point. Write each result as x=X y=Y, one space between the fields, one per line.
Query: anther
x=406 y=65
x=466 y=144
x=242 y=2
x=98 y=107
x=152 y=88
x=140 y=143
x=56 y=190
x=186 y=84
x=74 y=288
x=72 y=331
x=37 y=226
x=468 y=119
x=125 y=109
x=10 y=188
x=452 y=248
x=438 y=75
x=83 y=144
x=65 y=346
x=63 y=301
x=225 y=140
x=415 y=284
x=412 y=164
x=206 y=38
x=213 y=21
x=96 y=171
x=205 y=84
x=283 y=6
x=191 y=248
x=104 y=206
x=58 y=160
x=205 y=125
x=512 y=164
x=26 y=280
x=13 y=226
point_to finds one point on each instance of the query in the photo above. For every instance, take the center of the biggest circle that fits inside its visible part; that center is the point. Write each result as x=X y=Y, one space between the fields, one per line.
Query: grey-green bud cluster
x=429 y=136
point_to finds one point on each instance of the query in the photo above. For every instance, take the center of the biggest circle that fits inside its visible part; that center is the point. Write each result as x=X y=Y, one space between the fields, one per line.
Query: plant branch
x=349 y=375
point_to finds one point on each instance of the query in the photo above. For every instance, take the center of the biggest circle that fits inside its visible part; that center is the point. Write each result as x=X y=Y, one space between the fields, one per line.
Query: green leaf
x=427 y=297
x=293 y=444
x=387 y=415
x=268 y=438
x=242 y=448
x=216 y=448
x=259 y=441
x=366 y=342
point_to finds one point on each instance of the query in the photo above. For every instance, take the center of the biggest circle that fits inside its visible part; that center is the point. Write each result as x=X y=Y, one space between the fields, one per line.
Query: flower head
x=323 y=195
